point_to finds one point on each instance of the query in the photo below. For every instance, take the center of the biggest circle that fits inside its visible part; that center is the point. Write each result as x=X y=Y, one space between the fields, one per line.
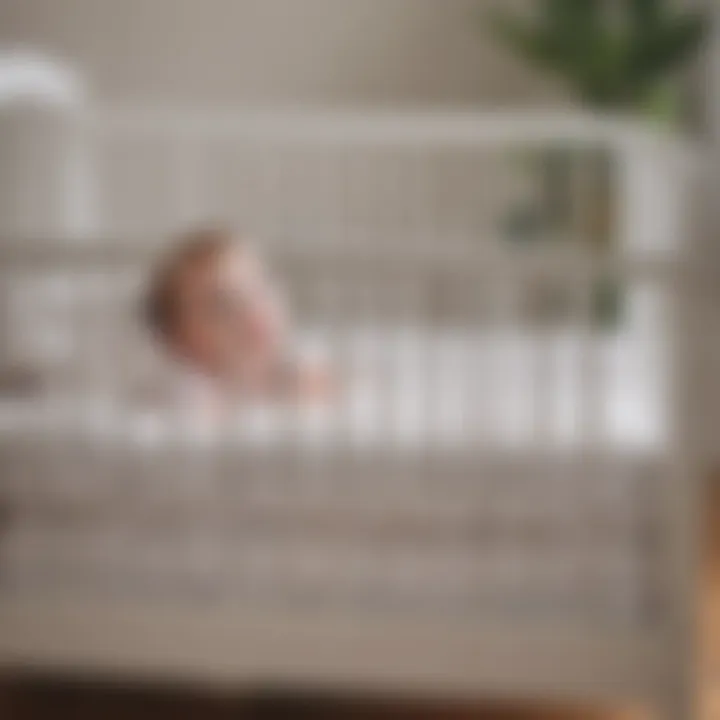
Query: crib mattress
x=507 y=539
x=430 y=494
x=406 y=390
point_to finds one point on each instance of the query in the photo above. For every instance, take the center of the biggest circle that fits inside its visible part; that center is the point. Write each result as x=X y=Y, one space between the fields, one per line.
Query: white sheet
x=404 y=388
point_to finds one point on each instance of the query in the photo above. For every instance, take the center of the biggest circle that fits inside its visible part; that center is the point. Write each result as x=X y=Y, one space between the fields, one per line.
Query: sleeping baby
x=217 y=312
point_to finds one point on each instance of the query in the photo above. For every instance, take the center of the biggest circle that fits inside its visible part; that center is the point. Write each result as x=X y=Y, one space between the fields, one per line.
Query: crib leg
x=679 y=703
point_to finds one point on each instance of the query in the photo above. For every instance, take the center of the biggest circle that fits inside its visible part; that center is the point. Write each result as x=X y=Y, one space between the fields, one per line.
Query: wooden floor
x=56 y=702
x=39 y=701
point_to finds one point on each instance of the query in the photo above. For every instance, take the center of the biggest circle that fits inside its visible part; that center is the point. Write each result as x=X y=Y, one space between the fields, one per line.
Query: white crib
x=500 y=502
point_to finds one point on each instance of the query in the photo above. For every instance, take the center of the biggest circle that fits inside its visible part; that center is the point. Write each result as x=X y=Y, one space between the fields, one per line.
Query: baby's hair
x=196 y=246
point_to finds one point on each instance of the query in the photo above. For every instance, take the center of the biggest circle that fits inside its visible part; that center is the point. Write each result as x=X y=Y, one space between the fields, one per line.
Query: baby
x=218 y=313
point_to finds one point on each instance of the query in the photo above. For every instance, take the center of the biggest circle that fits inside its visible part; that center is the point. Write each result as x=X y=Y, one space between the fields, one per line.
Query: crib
x=501 y=501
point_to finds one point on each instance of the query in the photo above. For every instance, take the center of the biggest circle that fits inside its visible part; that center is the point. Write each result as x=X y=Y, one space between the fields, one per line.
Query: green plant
x=614 y=54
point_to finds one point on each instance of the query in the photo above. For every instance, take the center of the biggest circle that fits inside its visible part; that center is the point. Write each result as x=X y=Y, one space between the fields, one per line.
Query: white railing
x=478 y=487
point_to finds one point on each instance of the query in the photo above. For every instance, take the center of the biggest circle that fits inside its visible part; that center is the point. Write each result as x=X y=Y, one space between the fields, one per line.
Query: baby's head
x=213 y=305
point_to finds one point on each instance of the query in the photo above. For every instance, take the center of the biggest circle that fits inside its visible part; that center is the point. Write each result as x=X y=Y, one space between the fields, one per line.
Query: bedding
x=404 y=389
x=409 y=508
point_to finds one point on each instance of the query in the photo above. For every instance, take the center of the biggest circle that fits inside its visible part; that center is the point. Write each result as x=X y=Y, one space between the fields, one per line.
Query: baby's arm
x=306 y=381
x=314 y=383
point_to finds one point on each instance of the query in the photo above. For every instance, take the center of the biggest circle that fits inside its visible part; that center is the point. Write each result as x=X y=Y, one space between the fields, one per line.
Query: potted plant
x=615 y=55
x=618 y=56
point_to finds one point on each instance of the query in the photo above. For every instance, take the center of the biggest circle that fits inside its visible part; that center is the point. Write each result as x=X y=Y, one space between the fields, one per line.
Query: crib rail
x=508 y=459
x=437 y=510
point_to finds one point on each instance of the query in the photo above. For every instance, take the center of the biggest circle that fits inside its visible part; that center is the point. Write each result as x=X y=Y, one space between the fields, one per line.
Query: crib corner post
x=679 y=700
x=686 y=485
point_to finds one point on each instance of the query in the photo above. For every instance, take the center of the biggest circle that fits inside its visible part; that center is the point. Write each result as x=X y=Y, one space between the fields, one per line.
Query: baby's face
x=229 y=315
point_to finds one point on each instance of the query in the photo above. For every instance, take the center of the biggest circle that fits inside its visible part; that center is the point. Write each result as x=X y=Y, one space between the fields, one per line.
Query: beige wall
x=236 y=52
x=279 y=51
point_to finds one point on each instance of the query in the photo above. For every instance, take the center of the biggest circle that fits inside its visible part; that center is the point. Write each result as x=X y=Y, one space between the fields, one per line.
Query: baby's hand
x=314 y=383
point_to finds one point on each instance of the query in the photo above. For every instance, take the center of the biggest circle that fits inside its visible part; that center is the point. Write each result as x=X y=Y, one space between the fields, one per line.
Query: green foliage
x=612 y=53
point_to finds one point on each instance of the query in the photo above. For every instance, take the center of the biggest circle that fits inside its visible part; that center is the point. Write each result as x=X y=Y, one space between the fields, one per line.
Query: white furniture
x=497 y=503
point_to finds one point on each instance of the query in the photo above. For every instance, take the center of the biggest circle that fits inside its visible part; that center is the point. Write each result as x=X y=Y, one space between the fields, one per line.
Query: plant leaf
x=675 y=42
x=644 y=13
x=601 y=78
